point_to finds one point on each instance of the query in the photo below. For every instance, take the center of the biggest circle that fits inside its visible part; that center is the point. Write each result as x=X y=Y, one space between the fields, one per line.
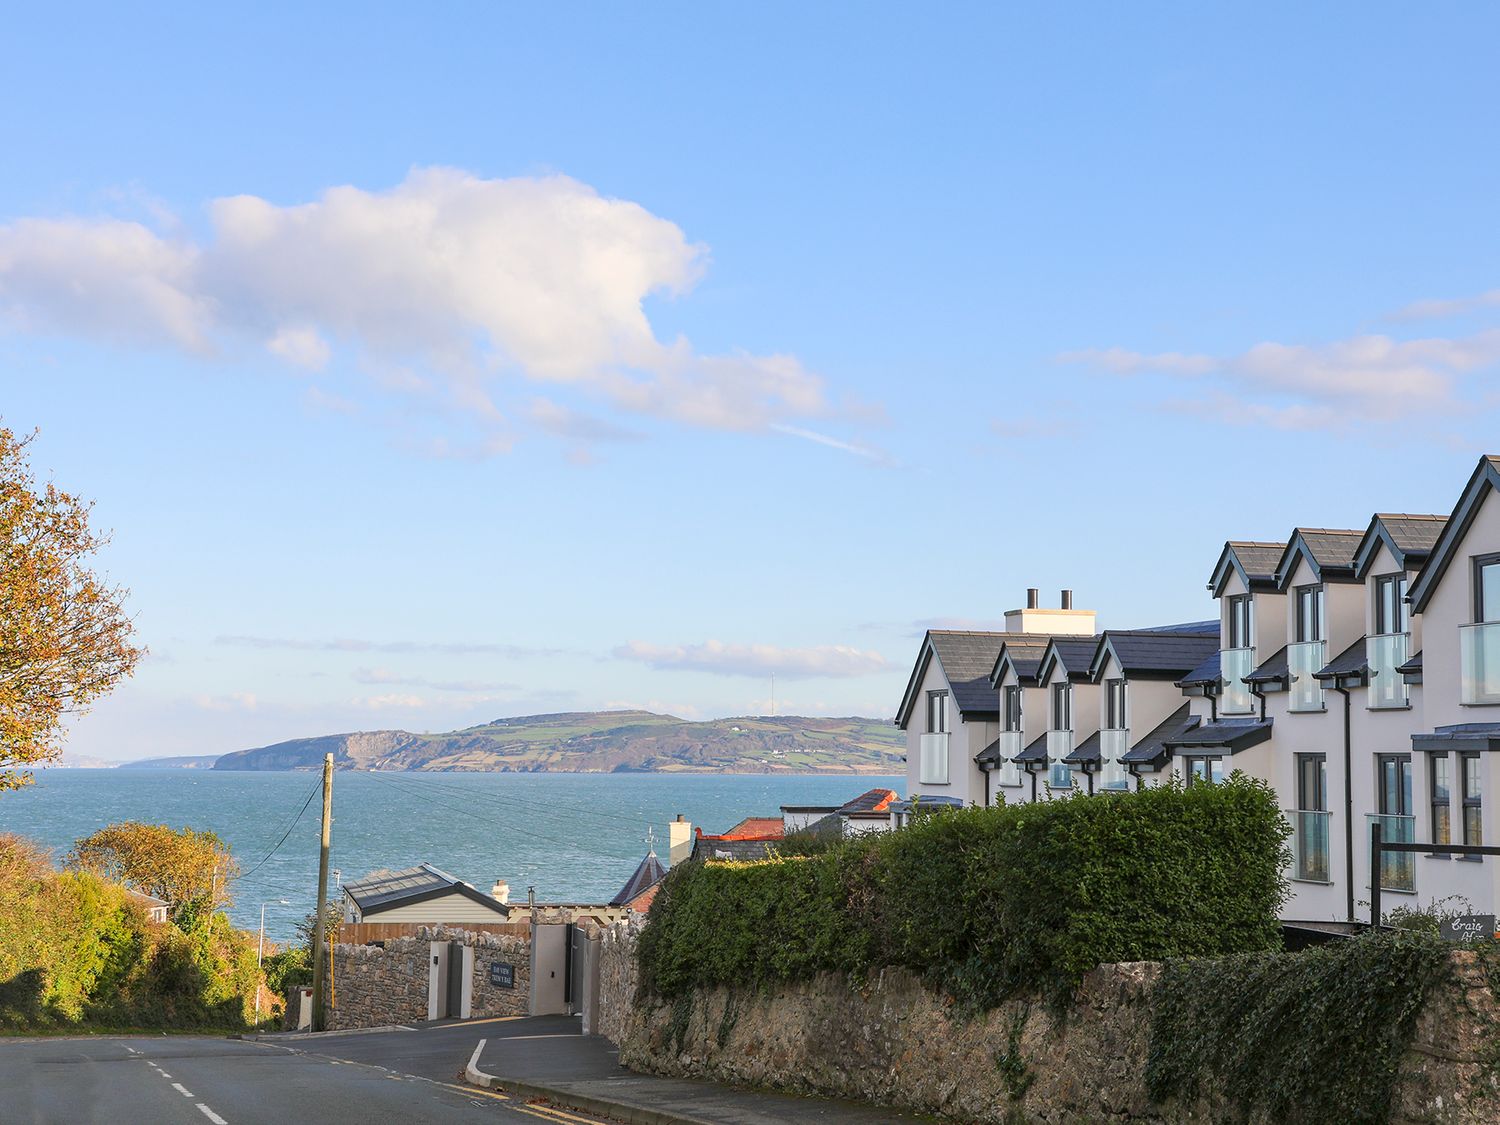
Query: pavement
x=546 y=1057
x=511 y=1071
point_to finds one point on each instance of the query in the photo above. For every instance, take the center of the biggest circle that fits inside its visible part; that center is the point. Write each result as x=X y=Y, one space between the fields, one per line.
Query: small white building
x=421 y=894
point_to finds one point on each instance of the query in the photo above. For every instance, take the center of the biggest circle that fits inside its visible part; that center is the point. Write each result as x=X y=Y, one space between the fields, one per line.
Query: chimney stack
x=1063 y=621
x=1033 y=597
x=679 y=841
x=1067 y=599
x=500 y=892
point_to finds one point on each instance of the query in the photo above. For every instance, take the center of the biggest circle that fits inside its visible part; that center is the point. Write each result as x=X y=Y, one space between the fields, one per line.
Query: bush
x=989 y=903
x=1310 y=1037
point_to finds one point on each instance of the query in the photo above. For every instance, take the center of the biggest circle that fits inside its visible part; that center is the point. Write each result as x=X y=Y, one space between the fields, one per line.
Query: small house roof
x=1353 y=661
x=1329 y=551
x=1158 y=654
x=1233 y=735
x=1023 y=652
x=1254 y=562
x=1153 y=749
x=647 y=874
x=1409 y=538
x=1086 y=752
x=1206 y=673
x=416 y=884
x=967 y=659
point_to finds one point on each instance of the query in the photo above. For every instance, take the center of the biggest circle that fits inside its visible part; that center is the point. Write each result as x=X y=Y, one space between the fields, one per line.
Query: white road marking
x=211 y=1115
x=181 y=1089
x=474 y=1058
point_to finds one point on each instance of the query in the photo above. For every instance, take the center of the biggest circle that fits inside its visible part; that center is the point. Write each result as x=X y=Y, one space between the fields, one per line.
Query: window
x=1312 y=783
x=1205 y=770
x=1487 y=588
x=1309 y=613
x=1473 y=828
x=1241 y=621
x=1062 y=706
x=1390 y=604
x=937 y=712
x=1011 y=709
x=1114 y=705
x=1442 y=796
x=1395 y=785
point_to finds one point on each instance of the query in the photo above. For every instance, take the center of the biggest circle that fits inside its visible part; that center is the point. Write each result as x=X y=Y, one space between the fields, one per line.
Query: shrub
x=1312 y=1036
x=989 y=903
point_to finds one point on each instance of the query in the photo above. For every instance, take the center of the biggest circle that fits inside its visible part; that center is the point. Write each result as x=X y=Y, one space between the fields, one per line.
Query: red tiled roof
x=875 y=801
x=751 y=828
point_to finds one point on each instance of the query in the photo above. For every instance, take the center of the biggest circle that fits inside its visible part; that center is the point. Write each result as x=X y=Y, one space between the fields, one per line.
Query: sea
x=573 y=837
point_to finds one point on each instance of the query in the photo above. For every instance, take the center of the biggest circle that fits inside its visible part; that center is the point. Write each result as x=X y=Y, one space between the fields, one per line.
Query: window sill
x=1400 y=707
x=1307 y=710
x=1395 y=891
x=1313 y=882
x=1438 y=855
x=1010 y=785
x=939 y=784
x=1492 y=703
x=1469 y=858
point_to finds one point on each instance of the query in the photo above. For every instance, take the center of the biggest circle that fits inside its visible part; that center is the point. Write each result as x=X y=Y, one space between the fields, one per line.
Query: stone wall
x=488 y=999
x=617 y=978
x=375 y=986
x=893 y=1042
x=378 y=985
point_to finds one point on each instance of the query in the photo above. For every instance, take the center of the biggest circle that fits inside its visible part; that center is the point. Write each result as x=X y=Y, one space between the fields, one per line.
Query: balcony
x=1010 y=746
x=1234 y=665
x=1303 y=661
x=1398 y=870
x=1385 y=652
x=1059 y=746
x=1479 y=663
x=934 y=760
x=1112 y=744
x=1309 y=845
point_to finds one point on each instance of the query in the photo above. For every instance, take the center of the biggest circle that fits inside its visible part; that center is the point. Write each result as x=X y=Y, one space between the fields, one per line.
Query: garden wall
x=895 y=1042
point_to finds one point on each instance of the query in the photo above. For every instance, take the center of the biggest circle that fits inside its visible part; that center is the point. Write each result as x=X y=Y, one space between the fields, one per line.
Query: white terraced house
x=1356 y=670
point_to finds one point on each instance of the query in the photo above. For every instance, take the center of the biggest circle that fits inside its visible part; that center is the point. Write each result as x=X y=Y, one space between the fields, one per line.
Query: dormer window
x=1241 y=630
x=1010 y=708
x=1386 y=649
x=1306 y=657
x=1479 y=666
x=937 y=712
x=1062 y=706
x=1114 y=705
x=1390 y=604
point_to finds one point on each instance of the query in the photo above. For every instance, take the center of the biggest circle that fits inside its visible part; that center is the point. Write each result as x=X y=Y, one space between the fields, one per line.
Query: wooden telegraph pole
x=320 y=970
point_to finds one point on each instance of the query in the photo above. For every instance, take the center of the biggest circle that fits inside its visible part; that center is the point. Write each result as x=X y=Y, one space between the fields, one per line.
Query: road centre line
x=211 y=1115
x=181 y=1089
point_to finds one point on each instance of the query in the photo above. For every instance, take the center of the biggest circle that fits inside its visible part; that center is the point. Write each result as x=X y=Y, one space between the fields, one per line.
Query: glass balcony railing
x=1398 y=870
x=1479 y=663
x=1010 y=746
x=1112 y=744
x=1309 y=845
x=934 y=764
x=1234 y=696
x=1384 y=653
x=1059 y=746
x=1303 y=660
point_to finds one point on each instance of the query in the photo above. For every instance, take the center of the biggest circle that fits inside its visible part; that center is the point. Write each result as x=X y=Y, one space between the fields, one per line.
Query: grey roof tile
x=1233 y=735
x=1412 y=666
x=1274 y=669
x=1025 y=651
x=967 y=660
x=1086 y=751
x=1036 y=752
x=1209 y=672
x=1160 y=653
x=1414 y=534
x=647 y=874
x=1351 y=662
x=1153 y=747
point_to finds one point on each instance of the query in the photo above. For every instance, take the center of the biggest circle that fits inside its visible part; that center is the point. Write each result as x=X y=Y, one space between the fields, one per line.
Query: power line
x=313 y=793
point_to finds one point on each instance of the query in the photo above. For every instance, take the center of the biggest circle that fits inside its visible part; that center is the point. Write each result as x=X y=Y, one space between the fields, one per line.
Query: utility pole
x=320 y=971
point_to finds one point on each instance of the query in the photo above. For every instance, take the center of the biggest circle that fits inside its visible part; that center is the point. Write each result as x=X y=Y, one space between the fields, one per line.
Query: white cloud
x=1449 y=307
x=756 y=660
x=443 y=284
x=355 y=644
x=1363 y=378
x=385 y=676
x=394 y=700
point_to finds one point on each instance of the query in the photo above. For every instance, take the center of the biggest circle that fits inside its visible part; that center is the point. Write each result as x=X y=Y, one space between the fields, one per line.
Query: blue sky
x=431 y=367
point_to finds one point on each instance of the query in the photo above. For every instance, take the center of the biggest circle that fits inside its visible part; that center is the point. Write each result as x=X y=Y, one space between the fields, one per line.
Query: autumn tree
x=65 y=639
x=189 y=870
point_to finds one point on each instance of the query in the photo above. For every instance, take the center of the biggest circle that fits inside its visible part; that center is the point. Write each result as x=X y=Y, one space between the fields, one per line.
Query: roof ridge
x=1334 y=530
x=1410 y=516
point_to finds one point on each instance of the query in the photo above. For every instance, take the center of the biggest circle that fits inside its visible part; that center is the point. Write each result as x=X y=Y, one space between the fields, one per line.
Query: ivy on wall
x=1315 y=1036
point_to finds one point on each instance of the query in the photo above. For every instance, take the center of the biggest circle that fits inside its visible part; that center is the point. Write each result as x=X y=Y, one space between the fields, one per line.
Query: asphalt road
x=400 y=1075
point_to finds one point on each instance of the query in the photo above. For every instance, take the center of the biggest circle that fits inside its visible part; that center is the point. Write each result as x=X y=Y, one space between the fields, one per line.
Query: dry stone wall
x=490 y=999
x=893 y=1042
x=618 y=978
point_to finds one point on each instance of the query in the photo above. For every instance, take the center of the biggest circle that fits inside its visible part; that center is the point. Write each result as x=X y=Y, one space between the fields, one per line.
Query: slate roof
x=753 y=828
x=967 y=659
x=1086 y=751
x=1076 y=654
x=1183 y=627
x=874 y=801
x=415 y=884
x=1353 y=661
x=716 y=847
x=1462 y=736
x=1025 y=651
x=647 y=874
x=1414 y=534
x=1157 y=654
x=1036 y=752
x=1412 y=667
x=1152 y=749
x=1331 y=550
x=1233 y=735
x=1256 y=562
x=1272 y=670
x=990 y=753
x=1208 y=672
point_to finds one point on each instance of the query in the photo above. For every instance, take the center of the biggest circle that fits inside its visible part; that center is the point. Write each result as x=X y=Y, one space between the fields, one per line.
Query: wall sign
x=502 y=975
x=1469 y=928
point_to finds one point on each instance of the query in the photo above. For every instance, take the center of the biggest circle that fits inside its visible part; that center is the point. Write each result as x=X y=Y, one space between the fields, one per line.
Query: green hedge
x=989 y=903
x=1311 y=1037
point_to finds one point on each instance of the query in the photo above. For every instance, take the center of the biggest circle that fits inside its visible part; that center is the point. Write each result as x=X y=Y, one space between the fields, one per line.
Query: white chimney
x=500 y=892
x=679 y=841
x=1064 y=620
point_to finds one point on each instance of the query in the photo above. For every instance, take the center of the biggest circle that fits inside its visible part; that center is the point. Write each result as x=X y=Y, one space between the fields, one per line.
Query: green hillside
x=605 y=742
